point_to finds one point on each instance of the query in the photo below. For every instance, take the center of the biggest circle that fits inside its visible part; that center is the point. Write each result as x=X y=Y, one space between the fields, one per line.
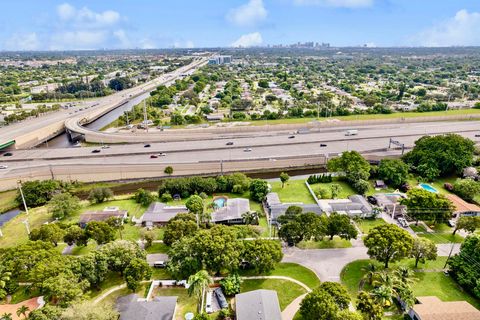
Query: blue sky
x=95 y=24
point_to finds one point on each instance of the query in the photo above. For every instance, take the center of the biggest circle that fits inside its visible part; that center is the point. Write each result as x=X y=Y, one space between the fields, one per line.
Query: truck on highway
x=351 y=132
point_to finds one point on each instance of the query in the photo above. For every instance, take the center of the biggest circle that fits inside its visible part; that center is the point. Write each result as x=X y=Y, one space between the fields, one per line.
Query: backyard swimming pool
x=428 y=187
x=220 y=202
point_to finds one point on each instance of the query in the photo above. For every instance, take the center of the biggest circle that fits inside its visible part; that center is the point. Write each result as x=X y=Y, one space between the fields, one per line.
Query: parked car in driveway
x=372 y=199
x=403 y=222
x=159 y=264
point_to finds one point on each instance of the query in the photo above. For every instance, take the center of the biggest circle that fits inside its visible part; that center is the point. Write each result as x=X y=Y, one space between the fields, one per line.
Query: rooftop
x=432 y=308
x=131 y=308
x=462 y=205
x=258 y=305
x=102 y=215
x=160 y=212
x=233 y=209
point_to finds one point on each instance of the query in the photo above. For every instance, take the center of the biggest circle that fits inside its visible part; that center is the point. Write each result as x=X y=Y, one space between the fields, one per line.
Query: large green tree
x=196 y=206
x=388 y=243
x=198 y=283
x=63 y=205
x=262 y=255
x=327 y=302
x=440 y=155
x=467 y=189
x=258 y=189
x=423 y=249
x=48 y=232
x=182 y=225
x=100 y=231
x=393 y=171
x=119 y=254
x=469 y=224
x=37 y=193
x=465 y=267
x=136 y=271
x=340 y=225
x=352 y=164
x=425 y=205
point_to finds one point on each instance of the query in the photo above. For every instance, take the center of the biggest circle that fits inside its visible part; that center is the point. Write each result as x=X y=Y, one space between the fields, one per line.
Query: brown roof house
x=432 y=308
x=462 y=207
x=103 y=215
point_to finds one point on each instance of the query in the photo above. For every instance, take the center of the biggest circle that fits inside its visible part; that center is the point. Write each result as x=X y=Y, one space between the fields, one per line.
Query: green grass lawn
x=8 y=200
x=112 y=279
x=293 y=191
x=427 y=283
x=263 y=224
x=292 y=270
x=287 y=291
x=157 y=248
x=24 y=293
x=134 y=209
x=185 y=303
x=326 y=243
x=366 y=225
x=444 y=287
x=82 y=250
x=345 y=192
x=110 y=300
x=443 y=235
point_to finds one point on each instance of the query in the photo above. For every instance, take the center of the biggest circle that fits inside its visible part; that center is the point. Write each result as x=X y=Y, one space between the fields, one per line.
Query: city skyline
x=60 y=25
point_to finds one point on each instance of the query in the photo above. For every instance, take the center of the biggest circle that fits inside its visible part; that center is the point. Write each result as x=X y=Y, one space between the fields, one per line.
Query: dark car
x=322 y=145
x=230 y=143
x=96 y=151
x=153 y=156
x=372 y=199
x=477 y=135
x=8 y=154
x=291 y=137
x=222 y=302
x=147 y=145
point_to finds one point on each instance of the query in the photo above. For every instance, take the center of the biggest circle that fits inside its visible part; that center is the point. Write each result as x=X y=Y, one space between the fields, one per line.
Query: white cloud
x=25 y=41
x=66 y=11
x=248 y=40
x=80 y=39
x=336 y=3
x=122 y=38
x=248 y=14
x=461 y=30
x=184 y=44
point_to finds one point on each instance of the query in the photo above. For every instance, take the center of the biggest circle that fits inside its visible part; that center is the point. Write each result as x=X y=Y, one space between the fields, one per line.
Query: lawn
x=346 y=190
x=366 y=225
x=427 y=284
x=24 y=293
x=185 y=303
x=294 y=191
x=134 y=209
x=263 y=224
x=112 y=298
x=112 y=279
x=287 y=291
x=292 y=270
x=82 y=250
x=443 y=235
x=157 y=248
x=8 y=200
x=326 y=243
x=160 y=273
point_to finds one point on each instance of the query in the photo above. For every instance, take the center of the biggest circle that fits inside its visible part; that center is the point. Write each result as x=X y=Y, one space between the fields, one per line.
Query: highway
x=34 y=131
x=268 y=150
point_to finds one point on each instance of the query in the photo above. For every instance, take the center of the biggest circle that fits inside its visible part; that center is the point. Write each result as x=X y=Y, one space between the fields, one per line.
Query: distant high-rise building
x=219 y=60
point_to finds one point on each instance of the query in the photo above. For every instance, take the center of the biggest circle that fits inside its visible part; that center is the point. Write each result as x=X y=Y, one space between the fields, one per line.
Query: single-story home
x=432 y=308
x=390 y=202
x=231 y=212
x=355 y=206
x=106 y=213
x=276 y=208
x=131 y=307
x=214 y=117
x=258 y=305
x=462 y=207
x=380 y=184
x=159 y=213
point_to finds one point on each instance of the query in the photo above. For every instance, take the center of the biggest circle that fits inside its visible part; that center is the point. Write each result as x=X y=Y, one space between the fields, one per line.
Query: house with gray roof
x=258 y=305
x=159 y=213
x=276 y=208
x=231 y=212
x=105 y=214
x=160 y=308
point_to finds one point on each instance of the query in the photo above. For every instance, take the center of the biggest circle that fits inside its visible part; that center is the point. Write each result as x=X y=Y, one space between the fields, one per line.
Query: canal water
x=9 y=215
x=62 y=141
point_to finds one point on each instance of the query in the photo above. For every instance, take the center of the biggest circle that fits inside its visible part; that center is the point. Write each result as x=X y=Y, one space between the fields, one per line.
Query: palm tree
x=370 y=273
x=23 y=311
x=404 y=275
x=383 y=295
x=250 y=217
x=6 y=316
x=197 y=285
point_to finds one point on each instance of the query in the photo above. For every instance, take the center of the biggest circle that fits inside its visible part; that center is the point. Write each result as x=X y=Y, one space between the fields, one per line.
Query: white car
x=159 y=264
x=247 y=149
x=3 y=167
x=403 y=222
x=162 y=154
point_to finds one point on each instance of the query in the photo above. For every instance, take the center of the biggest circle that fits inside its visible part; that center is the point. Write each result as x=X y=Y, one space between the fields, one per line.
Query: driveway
x=326 y=263
x=151 y=258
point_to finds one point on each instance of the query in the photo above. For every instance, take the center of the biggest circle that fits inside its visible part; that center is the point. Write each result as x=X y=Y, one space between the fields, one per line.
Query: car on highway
x=3 y=167
x=96 y=151
x=291 y=137
x=162 y=154
x=322 y=145
x=105 y=146
x=247 y=149
x=8 y=154
x=147 y=145
x=230 y=143
x=477 y=135
x=153 y=156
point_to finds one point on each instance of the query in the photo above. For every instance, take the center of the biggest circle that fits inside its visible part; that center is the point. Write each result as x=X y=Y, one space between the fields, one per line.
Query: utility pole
x=145 y=115
x=126 y=114
x=449 y=255
x=27 y=225
x=19 y=182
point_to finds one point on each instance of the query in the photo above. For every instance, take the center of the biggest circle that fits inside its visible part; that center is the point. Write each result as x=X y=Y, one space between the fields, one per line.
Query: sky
x=126 y=24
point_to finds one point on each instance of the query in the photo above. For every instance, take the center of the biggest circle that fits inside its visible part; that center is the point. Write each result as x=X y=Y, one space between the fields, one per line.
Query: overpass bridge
x=32 y=132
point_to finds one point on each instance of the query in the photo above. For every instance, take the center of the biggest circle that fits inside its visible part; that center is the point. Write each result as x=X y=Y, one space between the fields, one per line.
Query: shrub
x=448 y=186
x=231 y=284
x=166 y=197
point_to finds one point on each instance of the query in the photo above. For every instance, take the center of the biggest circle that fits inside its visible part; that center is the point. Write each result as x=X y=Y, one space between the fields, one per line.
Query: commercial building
x=219 y=60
